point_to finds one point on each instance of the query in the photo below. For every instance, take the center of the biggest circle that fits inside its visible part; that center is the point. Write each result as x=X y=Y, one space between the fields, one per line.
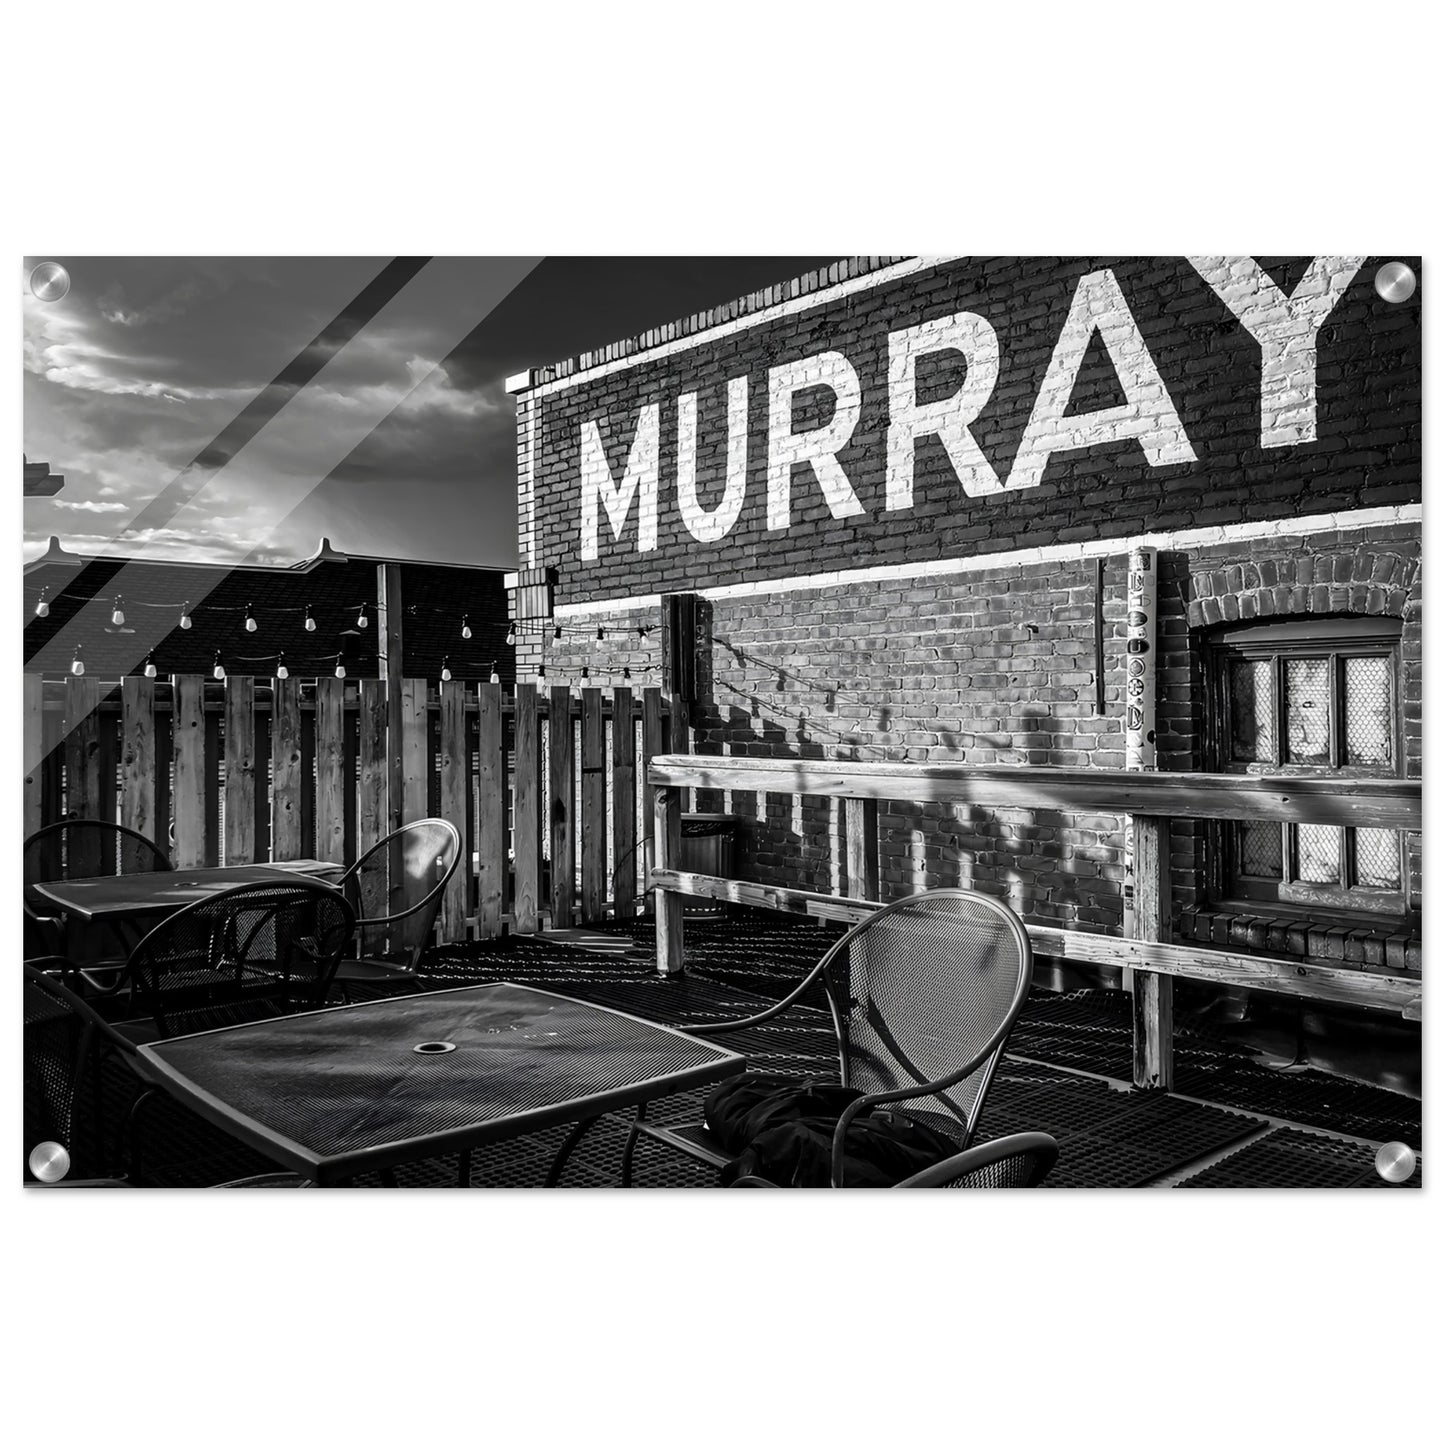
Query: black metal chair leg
x=630 y=1147
x=564 y=1153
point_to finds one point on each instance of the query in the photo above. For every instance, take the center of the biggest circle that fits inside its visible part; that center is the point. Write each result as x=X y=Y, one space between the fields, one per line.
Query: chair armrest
x=753 y=1181
x=938 y=1176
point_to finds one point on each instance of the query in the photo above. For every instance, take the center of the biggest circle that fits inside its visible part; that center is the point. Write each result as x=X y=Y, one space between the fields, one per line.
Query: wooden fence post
x=526 y=830
x=413 y=749
x=651 y=747
x=452 y=923
x=371 y=804
x=1153 y=992
x=624 y=805
x=860 y=827
x=561 y=808
x=594 y=809
x=285 y=770
x=667 y=837
x=332 y=779
x=491 y=832
x=188 y=796
x=240 y=769
x=33 y=703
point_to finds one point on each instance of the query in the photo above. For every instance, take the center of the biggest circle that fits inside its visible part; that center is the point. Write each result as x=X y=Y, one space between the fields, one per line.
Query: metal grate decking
x=1067 y=1072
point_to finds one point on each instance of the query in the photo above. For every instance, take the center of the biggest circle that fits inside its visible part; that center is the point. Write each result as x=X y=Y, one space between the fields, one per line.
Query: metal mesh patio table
x=367 y=1087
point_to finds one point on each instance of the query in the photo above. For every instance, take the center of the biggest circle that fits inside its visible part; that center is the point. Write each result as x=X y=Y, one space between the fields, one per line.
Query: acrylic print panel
x=713 y=607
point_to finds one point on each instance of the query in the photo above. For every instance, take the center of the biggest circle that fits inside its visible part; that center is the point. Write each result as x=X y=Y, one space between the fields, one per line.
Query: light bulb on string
x=42 y=607
x=218 y=672
x=310 y=623
x=466 y=629
x=446 y=669
x=541 y=671
x=584 y=674
x=117 y=614
x=626 y=673
x=340 y=668
x=642 y=633
x=496 y=677
x=361 y=618
x=185 y=616
x=281 y=673
x=250 y=620
x=601 y=637
x=77 y=667
x=150 y=664
x=511 y=634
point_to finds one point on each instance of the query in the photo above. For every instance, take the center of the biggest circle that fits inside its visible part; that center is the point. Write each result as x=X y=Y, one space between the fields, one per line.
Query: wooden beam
x=652 y=746
x=240 y=770
x=624 y=805
x=1153 y=992
x=492 y=868
x=390 y=641
x=188 y=797
x=526 y=806
x=667 y=840
x=452 y=922
x=285 y=770
x=332 y=781
x=562 y=810
x=32 y=701
x=860 y=842
x=1345 y=802
x=372 y=817
x=593 y=817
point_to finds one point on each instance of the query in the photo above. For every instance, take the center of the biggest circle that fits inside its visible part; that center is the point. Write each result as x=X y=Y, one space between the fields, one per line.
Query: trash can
x=708 y=841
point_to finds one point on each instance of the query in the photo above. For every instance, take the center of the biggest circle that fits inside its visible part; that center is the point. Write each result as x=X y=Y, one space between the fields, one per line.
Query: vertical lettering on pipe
x=820 y=446
x=714 y=525
x=639 y=479
x=948 y=418
x=1287 y=329
x=1147 y=414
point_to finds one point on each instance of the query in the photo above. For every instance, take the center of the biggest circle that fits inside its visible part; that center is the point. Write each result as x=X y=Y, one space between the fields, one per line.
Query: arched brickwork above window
x=1362 y=581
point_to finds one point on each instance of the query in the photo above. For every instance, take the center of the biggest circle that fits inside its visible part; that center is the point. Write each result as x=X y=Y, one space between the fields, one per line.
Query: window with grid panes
x=1317 y=697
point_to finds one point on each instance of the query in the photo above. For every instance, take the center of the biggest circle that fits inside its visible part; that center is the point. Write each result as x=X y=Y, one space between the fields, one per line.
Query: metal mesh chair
x=922 y=995
x=1018 y=1161
x=251 y=952
x=396 y=889
x=81 y=848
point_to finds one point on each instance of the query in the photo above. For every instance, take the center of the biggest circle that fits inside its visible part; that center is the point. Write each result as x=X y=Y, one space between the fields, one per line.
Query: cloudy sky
x=223 y=409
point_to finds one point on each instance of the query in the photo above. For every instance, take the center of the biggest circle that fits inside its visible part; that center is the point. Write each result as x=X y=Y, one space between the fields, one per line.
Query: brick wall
x=920 y=648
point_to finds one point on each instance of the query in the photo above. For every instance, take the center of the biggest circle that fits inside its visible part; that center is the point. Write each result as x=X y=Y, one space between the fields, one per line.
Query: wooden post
x=389 y=655
x=413 y=751
x=452 y=922
x=651 y=747
x=526 y=835
x=624 y=805
x=371 y=803
x=594 y=809
x=491 y=811
x=1153 y=992
x=667 y=837
x=860 y=829
x=188 y=798
x=33 y=704
x=213 y=788
x=331 y=776
x=285 y=771
x=240 y=770
x=561 y=818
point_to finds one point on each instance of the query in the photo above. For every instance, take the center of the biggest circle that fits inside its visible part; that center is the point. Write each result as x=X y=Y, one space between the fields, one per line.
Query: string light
x=584 y=674
x=340 y=668
x=117 y=616
x=185 y=616
x=77 y=667
x=541 y=671
x=361 y=618
x=281 y=673
x=446 y=669
x=557 y=633
x=250 y=620
x=150 y=664
x=601 y=637
x=511 y=634
x=310 y=623
x=218 y=672
x=642 y=633
x=466 y=629
x=626 y=673
x=496 y=676
x=42 y=607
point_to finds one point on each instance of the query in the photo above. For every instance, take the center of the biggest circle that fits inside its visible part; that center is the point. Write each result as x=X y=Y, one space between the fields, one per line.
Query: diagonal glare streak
x=472 y=301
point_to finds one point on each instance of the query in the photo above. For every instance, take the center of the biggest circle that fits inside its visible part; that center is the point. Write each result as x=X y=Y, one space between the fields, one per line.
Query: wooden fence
x=545 y=788
x=1153 y=799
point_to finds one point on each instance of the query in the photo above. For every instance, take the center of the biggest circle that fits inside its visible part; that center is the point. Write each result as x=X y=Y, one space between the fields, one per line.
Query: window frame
x=1335 y=638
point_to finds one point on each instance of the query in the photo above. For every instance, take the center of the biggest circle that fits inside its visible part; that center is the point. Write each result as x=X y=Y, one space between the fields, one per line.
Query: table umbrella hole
x=435 y=1046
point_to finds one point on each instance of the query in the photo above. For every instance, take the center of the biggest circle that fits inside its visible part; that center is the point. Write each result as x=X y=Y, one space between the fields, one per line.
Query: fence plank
x=213 y=789
x=562 y=813
x=491 y=830
x=82 y=771
x=188 y=794
x=452 y=923
x=332 y=779
x=624 y=804
x=652 y=746
x=285 y=769
x=594 y=809
x=240 y=769
x=413 y=748
x=371 y=808
x=860 y=828
x=526 y=788
x=667 y=836
x=1153 y=992
x=33 y=705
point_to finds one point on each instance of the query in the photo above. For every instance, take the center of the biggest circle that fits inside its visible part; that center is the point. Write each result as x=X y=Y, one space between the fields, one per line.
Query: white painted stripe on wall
x=791 y=307
x=1029 y=556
